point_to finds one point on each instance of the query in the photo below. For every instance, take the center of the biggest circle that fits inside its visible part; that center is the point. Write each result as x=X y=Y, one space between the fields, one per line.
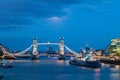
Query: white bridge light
x=48 y=42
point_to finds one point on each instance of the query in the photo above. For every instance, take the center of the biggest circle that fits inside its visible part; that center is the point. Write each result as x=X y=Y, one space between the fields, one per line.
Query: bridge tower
x=35 y=49
x=61 y=46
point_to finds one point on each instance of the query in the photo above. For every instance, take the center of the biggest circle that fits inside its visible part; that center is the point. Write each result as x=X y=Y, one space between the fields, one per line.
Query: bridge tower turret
x=35 y=49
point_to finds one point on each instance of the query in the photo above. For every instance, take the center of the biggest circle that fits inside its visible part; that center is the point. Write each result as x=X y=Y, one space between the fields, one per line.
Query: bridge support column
x=61 y=46
x=35 y=50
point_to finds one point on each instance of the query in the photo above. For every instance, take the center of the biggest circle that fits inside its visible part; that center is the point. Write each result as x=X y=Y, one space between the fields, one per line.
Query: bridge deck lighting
x=48 y=42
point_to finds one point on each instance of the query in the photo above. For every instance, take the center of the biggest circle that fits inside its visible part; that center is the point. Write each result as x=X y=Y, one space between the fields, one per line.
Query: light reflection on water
x=97 y=74
x=56 y=70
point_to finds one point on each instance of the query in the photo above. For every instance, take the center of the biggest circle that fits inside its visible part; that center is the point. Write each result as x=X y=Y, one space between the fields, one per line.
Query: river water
x=56 y=70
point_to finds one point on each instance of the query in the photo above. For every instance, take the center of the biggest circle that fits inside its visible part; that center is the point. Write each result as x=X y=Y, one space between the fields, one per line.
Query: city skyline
x=80 y=22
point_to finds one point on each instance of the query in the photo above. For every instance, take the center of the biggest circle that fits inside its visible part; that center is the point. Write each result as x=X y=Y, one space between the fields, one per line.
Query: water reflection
x=60 y=61
x=97 y=74
x=117 y=67
x=115 y=72
x=115 y=76
x=97 y=70
x=57 y=70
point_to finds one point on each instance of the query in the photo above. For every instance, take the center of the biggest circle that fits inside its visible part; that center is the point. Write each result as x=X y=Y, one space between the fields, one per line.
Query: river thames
x=56 y=70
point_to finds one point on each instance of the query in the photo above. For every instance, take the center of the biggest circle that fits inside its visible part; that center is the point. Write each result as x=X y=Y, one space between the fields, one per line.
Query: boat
x=92 y=64
x=7 y=66
x=4 y=64
x=87 y=60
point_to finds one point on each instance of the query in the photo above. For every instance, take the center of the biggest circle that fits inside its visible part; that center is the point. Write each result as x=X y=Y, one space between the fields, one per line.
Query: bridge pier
x=61 y=53
x=35 y=53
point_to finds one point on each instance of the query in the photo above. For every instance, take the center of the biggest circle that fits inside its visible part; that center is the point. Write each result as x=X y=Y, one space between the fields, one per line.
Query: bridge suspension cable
x=22 y=52
x=75 y=53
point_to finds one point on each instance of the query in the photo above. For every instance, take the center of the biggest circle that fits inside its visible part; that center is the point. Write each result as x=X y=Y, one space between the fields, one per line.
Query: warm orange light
x=3 y=56
x=97 y=70
x=117 y=66
x=60 y=61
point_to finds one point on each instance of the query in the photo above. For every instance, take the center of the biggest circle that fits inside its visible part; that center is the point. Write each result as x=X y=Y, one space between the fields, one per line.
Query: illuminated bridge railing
x=48 y=43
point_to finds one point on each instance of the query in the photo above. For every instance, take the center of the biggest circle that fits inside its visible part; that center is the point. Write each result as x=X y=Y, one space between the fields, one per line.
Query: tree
x=1 y=54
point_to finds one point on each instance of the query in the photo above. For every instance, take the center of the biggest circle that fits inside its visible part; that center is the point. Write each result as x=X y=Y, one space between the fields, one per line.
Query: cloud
x=107 y=3
x=95 y=5
x=14 y=12
x=25 y=12
x=55 y=20
x=90 y=8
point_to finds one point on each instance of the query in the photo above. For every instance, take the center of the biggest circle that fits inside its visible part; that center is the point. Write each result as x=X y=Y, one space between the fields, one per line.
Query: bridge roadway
x=44 y=54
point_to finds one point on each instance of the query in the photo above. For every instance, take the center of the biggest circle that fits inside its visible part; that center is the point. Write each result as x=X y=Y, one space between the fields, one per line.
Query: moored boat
x=87 y=59
x=92 y=64
x=5 y=64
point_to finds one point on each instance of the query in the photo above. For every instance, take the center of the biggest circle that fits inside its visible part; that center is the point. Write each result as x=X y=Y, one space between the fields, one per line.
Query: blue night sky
x=94 y=22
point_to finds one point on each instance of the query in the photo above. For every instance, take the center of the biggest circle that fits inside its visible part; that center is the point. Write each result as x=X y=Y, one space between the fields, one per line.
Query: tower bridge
x=35 y=53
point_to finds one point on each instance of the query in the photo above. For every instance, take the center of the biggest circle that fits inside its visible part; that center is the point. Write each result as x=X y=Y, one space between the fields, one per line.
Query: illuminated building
x=114 y=47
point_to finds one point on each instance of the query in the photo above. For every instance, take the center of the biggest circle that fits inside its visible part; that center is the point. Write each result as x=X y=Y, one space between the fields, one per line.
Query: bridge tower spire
x=35 y=49
x=61 y=45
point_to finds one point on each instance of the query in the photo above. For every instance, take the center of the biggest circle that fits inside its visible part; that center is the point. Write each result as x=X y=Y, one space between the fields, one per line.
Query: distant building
x=114 y=47
x=1 y=52
x=50 y=49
